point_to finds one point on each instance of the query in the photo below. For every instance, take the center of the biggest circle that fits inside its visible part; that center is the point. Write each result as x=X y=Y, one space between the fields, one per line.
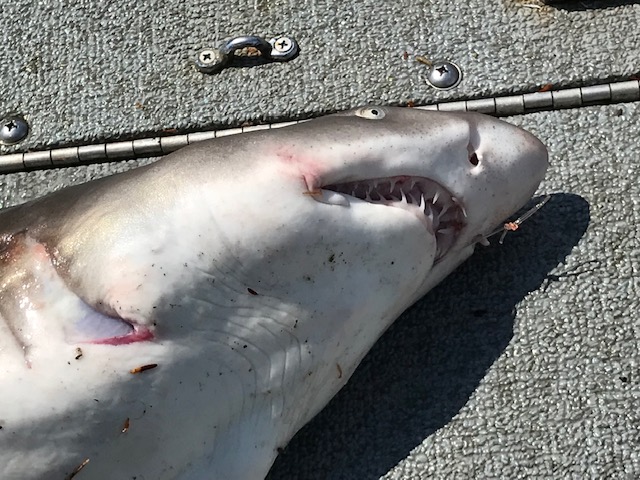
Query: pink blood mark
x=302 y=162
x=140 y=334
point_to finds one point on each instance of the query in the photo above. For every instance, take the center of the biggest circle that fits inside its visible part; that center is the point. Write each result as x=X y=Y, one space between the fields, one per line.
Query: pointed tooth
x=435 y=197
x=369 y=189
x=464 y=211
x=433 y=218
x=444 y=210
x=428 y=212
x=361 y=189
x=383 y=188
x=416 y=192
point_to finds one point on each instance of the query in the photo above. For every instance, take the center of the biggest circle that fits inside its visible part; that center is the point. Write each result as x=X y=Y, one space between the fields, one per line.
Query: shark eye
x=370 y=113
x=473 y=159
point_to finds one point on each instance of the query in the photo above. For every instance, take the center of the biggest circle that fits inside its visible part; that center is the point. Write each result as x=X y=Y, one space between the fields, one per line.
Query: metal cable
x=619 y=92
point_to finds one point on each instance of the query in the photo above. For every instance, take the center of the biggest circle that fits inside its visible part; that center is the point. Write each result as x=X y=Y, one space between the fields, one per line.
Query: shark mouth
x=442 y=213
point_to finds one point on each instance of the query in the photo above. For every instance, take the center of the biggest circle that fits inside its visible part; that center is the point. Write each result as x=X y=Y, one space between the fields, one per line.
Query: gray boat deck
x=524 y=363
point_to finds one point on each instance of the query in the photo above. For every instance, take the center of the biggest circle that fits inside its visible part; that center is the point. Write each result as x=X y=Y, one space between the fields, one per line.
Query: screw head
x=210 y=60
x=283 y=48
x=444 y=75
x=283 y=44
x=13 y=129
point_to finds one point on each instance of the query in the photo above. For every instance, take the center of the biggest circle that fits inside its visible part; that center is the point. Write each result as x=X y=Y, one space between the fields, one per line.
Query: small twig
x=143 y=368
x=125 y=426
x=425 y=60
x=77 y=469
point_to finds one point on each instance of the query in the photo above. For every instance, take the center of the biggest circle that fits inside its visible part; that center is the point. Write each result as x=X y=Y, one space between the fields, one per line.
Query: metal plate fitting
x=444 y=75
x=279 y=49
x=13 y=129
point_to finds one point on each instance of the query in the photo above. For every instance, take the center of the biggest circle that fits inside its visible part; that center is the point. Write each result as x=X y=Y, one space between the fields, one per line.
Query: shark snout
x=490 y=132
x=533 y=148
x=511 y=164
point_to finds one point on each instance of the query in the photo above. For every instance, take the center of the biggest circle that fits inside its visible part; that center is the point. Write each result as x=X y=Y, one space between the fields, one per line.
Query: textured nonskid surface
x=85 y=71
x=525 y=363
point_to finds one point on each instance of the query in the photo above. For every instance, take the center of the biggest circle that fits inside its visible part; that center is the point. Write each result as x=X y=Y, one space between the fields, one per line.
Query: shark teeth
x=444 y=215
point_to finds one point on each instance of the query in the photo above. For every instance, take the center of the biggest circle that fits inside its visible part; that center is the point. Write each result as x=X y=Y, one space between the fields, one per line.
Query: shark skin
x=185 y=319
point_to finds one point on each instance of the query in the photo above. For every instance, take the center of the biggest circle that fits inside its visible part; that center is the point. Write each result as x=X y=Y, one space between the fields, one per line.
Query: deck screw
x=444 y=75
x=283 y=48
x=210 y=60
x=13 y=129
x=283 y=44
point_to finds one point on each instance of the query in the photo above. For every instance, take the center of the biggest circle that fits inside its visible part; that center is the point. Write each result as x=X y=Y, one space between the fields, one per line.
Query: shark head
x=252 y=272
x=458 y=175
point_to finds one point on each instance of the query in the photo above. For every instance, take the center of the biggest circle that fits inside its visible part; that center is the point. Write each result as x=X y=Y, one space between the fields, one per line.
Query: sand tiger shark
x=185 y=319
